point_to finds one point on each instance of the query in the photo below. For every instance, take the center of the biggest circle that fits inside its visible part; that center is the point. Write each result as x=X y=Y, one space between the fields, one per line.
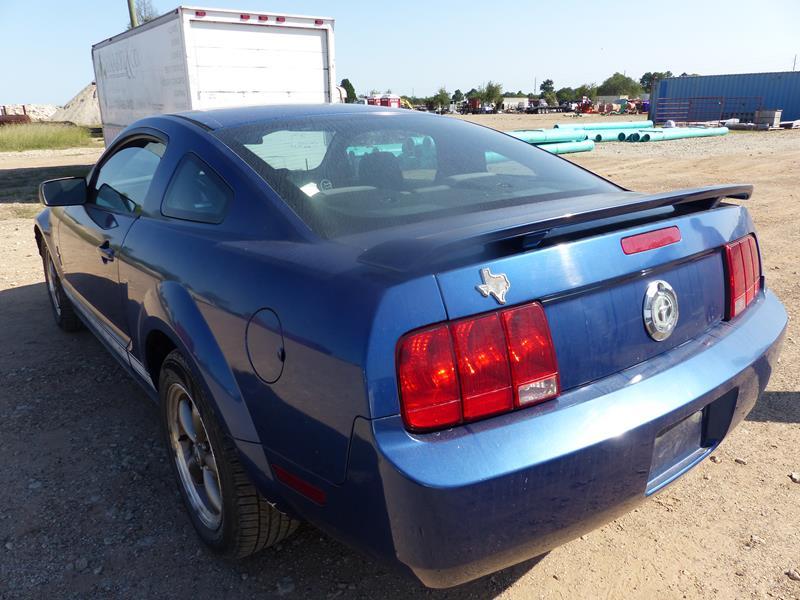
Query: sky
x=416 y=46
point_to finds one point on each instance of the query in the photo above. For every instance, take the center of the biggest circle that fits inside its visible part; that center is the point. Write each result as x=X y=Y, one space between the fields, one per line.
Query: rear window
x=355 y=173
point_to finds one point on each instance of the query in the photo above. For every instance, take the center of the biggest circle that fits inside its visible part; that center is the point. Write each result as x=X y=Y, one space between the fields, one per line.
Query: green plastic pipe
x=549 y=136
x=677 y=133
x=609 y=135
x=633 y=136
x=609 y=125
x=568 y=147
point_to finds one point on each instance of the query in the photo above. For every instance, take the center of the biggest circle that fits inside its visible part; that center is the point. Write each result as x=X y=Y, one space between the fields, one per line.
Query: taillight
x=533 y=357
x=476 y=367
x=428 y=383
x=744 y=274
x=483 y=367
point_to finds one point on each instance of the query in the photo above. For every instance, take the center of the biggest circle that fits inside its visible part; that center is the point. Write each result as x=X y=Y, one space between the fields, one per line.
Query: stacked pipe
x=565 y=138
x=556 y=141
x=638 y=131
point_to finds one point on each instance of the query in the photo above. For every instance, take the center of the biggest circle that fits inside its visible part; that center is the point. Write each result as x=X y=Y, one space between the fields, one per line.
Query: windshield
x=355 y=173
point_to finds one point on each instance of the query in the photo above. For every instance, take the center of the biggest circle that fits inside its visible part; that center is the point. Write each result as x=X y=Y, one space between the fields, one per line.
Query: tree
x=144 y=12
x=550 y=98
x=458 y=96
x=648 y=79
x=473 y=93
x=587 y=89
x=547 y=86
x=441 y=98
x=565 y=94
x=619 y=85
x=351 y=91
x=491 y=92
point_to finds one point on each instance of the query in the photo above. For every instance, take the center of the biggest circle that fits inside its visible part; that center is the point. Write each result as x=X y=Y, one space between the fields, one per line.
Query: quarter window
x=124 y=179
x=196 y=193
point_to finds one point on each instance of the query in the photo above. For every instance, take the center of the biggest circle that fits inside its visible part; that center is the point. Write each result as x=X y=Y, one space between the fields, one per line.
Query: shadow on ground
x=778 y=407
x=22 y=185
x=90 y=504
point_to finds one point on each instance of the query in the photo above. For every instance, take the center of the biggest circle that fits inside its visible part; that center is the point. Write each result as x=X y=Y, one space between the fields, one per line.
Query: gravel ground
x=89 y=508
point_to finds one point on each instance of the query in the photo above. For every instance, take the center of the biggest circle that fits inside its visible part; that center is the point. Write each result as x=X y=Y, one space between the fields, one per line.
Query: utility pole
x=132 y=13
x=794 y=64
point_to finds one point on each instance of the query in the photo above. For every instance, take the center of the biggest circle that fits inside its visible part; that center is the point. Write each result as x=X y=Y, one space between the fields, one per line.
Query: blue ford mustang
x=432 y=340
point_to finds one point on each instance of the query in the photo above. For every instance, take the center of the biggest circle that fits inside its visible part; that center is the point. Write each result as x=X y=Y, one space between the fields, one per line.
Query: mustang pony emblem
x=496 y=285
x=660 y=310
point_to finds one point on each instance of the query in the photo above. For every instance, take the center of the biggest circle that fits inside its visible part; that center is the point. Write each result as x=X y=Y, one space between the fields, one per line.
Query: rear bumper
x=455 y=505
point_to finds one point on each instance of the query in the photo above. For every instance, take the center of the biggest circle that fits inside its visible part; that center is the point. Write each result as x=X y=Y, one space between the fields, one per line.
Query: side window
x=196 y=193
x=124 y=179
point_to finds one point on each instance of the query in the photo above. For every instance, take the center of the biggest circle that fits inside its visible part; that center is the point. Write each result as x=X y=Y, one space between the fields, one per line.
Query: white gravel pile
x=83 y=109
x=37 y=112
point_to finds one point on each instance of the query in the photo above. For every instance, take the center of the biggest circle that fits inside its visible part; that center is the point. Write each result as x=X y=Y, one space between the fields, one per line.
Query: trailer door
x=237 y=64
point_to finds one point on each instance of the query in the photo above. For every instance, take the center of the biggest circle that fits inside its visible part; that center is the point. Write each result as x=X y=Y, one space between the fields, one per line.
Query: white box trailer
x=197 y=58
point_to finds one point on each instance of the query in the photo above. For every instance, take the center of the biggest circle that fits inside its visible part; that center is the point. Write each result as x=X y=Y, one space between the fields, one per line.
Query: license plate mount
x=675 y=450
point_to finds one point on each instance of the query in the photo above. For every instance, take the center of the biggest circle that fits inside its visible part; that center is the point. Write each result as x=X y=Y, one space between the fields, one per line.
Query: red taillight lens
x=280 y=19
x=317 y=21
x=428 y=383
x=744 y=274
x=476 y=367
x=482 y=366
x=199 y=13
x=533 y=358
x=263 y=18
x=244 y=17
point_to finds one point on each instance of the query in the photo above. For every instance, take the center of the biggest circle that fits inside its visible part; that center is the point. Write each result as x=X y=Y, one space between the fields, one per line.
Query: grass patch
x=42 y=136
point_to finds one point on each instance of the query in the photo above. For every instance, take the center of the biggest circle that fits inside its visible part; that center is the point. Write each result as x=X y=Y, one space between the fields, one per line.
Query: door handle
x=106 y=252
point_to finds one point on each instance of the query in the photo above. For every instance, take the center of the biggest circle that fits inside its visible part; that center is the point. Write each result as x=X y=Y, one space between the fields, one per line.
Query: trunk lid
x=593 y=293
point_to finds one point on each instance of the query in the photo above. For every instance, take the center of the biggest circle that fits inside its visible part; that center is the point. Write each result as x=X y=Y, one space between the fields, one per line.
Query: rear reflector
x=244 y=17
x=280 y=19
x=299 y=485
x=263 y=18
x=476 y=367
x=317 y=21
x=743 y=268
x=651 y=240
x=199 y=13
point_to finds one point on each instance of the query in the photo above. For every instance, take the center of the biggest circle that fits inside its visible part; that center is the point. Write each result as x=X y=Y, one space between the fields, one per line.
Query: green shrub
x=33 y=136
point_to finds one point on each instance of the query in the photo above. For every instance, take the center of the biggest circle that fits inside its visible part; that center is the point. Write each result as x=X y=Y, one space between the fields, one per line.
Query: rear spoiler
x=411 y=253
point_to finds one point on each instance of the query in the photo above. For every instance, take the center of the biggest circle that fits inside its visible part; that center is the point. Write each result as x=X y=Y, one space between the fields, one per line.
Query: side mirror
x=67 y=191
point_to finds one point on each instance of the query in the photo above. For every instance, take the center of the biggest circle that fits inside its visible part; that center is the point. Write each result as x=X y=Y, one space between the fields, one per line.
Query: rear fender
x=172 y=310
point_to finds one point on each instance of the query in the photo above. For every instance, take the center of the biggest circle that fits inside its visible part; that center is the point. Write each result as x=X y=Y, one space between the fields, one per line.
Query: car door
x=91 y=235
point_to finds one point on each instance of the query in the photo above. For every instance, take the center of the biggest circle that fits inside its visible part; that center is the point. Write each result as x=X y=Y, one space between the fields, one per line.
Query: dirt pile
x=37 y=112
x=83 y=109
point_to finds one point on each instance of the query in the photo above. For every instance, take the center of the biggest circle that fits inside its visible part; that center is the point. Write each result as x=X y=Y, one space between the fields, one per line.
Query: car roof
x=218 y=118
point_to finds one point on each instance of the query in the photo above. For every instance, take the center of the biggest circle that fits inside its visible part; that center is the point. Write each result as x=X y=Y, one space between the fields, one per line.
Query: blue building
x=715 y=97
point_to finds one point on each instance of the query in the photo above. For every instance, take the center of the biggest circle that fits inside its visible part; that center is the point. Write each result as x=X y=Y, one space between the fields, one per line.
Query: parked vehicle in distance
x=198 y=58
x=434 y=341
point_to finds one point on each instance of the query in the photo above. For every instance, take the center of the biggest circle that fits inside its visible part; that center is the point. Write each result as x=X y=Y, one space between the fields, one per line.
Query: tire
x=63 y=311
x=226 y=510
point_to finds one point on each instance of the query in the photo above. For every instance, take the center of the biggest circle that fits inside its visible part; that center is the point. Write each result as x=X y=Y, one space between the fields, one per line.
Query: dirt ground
x=88 y=506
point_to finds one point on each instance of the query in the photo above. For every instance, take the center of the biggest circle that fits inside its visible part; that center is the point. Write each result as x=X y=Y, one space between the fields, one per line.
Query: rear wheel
x=228 y=513
x=63 y=311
